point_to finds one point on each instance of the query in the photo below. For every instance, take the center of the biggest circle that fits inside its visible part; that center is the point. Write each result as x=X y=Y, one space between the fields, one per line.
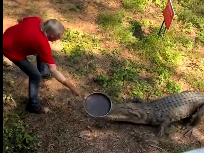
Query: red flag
x=168 y=14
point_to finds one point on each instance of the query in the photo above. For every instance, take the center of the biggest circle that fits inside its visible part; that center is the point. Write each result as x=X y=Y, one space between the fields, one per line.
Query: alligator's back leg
x=194 y=121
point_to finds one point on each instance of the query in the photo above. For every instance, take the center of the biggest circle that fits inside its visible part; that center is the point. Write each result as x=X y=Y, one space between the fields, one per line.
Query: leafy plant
x=16 y=138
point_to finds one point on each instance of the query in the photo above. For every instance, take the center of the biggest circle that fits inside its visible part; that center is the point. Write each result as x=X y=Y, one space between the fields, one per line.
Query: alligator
x=163 y=112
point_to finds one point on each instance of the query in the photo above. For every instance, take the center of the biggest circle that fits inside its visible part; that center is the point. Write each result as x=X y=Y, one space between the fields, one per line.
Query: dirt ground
x=68 y=129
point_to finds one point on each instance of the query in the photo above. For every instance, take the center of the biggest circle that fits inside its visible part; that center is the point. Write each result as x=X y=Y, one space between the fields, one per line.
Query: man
x=30 y=37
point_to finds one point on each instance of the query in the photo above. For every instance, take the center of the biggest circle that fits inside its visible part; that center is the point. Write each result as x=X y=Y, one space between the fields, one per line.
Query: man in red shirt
x=30 y=37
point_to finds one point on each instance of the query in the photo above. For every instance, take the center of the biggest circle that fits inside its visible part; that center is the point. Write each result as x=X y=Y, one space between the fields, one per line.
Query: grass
x=110 y=20
x=186 y=42
x=124 y=72
x=113 y=21
x=79 y=47
x=162 y=56
x=159 y=3
x=16 y=137
x=192 y=12
x=76 y=39
x=151 y=71
x=136 y=5
x=197 y=83
x=16 y=134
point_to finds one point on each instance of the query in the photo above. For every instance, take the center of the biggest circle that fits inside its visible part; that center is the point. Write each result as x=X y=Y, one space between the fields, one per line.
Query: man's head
x=53 y=29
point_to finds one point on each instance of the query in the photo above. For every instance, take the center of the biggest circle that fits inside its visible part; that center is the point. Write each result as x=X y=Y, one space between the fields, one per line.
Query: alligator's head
x=128 y=112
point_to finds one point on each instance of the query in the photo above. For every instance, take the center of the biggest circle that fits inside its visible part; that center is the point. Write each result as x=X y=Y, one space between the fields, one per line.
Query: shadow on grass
x=137 y=30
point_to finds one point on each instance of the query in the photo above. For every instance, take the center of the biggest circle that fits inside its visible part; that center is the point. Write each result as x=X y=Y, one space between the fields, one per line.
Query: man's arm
x=60 y=77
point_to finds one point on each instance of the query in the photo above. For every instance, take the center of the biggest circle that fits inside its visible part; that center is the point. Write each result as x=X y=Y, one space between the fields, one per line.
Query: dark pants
x=34 y=75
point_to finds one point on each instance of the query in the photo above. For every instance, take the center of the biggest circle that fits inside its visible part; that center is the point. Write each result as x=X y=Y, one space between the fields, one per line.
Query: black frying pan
x=97 y=105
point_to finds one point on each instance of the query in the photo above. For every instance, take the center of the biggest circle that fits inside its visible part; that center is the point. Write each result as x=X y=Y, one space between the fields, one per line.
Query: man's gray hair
x=52 y=27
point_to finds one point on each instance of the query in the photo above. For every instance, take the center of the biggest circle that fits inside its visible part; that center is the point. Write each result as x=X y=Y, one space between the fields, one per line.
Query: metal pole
x=164 y=30
x=161 y=28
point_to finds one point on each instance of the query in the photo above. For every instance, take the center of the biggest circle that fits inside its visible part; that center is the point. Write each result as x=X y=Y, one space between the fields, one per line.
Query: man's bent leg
x=34 y=104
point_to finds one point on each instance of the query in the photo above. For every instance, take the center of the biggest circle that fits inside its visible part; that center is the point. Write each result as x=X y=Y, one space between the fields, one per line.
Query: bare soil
x=68 y=129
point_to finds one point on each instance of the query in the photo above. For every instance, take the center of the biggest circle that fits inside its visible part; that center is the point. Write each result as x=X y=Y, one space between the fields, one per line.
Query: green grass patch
x=112 y=22
x=75 y=40
x=161 y=55
x=79 y=49
x=196 y=83
x=124 y=35
x=172 y=87
x=125 y=73
x=110 y=19
x=201 y=36
x=160 y=52
x=136 y=5
x=186 y=42
x=147 y=23
x=110 y=85
x=16 y=137
x=119 y=73
x=160 y=3
x=109 y=53
x=192 y=12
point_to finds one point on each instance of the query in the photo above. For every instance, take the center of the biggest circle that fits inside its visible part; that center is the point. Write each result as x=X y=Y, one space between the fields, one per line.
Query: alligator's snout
x=116 y=113
x=128 y=112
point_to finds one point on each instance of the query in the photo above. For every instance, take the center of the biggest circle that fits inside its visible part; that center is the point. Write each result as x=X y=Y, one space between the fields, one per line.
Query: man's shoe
x=38 y=110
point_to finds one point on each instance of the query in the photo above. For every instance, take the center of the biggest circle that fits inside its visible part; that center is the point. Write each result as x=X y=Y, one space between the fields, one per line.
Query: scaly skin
x=163 y=111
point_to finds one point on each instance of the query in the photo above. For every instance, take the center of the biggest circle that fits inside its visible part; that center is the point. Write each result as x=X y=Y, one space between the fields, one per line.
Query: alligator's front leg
x=135 y=100
x=163 y=126
x=194 y=121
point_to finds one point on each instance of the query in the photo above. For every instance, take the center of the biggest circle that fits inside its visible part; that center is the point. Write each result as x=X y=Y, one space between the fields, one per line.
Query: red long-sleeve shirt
x=26 y=38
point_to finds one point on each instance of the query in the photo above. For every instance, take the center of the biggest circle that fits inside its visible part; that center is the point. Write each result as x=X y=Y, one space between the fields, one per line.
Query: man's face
x=53 y=38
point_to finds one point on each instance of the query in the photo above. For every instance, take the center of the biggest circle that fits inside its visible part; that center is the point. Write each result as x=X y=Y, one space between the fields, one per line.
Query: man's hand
x=76 y=92
x=57 y=75
x=80 y=97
